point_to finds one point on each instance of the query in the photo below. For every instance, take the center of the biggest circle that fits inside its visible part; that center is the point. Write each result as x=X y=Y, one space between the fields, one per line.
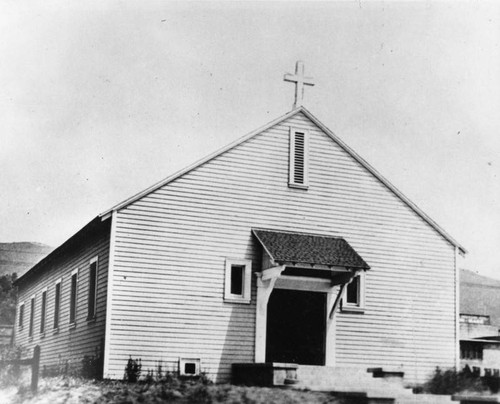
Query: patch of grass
x=196 y=392
x=169 y=390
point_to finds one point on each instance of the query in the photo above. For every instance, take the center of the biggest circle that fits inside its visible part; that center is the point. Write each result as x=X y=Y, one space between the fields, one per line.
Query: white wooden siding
x=171 y=245
x=69 y=343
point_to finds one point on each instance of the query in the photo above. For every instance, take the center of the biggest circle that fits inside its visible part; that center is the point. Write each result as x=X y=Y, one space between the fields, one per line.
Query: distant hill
x=19 y=257
x=480 y=295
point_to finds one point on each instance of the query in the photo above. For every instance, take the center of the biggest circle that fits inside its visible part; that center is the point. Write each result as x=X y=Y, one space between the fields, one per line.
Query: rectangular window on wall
x=57 y=304
x=354 y=297
x=73 y=297
x=92 y=297
x=352 y=293
x=43 y=311
x=21 y=316
x=238 y=281
x=32 y=316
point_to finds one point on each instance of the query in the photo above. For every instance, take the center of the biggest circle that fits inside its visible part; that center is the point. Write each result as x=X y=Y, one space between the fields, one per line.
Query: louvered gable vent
x=299 y=144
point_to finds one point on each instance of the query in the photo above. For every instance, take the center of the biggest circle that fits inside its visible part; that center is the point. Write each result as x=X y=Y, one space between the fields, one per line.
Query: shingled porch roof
x=309 y=249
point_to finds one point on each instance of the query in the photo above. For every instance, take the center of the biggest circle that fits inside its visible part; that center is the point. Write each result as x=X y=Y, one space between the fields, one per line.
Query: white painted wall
x=171 y=245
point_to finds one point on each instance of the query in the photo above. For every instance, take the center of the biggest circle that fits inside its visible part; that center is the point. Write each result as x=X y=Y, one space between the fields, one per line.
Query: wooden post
x=35 y=369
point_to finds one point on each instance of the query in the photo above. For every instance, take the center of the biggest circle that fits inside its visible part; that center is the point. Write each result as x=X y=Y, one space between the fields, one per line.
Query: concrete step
x=350 y=379
x=424 y=399
x=357 y=385
x=464 y=398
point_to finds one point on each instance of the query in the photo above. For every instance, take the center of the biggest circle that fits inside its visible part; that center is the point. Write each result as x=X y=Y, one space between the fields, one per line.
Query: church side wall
x=171 y=246
x=64 y=348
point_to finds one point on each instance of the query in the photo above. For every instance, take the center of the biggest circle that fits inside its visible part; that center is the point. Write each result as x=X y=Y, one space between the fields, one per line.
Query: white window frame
x=194 y=361
x=74 y=272
x=245 y=297
x=360 y=305
x=291 y=170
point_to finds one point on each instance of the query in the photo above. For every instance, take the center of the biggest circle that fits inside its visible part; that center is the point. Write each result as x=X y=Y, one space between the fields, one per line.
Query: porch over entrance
x=299 y=289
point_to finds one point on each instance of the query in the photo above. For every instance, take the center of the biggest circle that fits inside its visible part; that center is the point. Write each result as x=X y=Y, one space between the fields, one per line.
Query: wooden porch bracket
x=338 y=299
x=265 y=285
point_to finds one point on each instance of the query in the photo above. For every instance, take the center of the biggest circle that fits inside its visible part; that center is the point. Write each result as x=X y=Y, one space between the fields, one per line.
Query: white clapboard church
x=283 y=247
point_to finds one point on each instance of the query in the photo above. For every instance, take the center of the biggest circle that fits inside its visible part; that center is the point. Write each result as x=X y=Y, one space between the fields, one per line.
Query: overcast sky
x=99 y=100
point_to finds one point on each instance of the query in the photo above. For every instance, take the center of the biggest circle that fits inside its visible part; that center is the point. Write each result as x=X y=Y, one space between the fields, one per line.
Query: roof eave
x=58 y=250
x=198 y=163
x=384 y=181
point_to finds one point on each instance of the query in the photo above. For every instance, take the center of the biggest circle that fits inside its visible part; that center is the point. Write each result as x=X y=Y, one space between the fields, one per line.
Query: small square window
x=354 y=295
x=189 y=367
x=237 y=281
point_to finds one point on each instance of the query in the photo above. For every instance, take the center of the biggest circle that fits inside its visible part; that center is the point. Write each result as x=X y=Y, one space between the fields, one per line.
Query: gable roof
x=86 y=232
x=328 y=132
x=302 y=248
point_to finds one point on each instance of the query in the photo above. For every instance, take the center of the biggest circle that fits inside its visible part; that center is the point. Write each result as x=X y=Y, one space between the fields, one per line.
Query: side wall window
x=43 y=310
x=238 y=279
x=57 y=303
x=92 y=296
x=21 y=316
x=32 y=315
x=73 y=297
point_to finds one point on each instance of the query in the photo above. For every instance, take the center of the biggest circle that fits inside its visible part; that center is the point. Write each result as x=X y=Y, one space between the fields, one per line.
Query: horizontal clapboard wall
x=171 y=246
x=67 y=345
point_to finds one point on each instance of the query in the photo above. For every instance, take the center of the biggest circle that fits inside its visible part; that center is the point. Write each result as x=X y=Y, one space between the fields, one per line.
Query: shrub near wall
x=451 y=382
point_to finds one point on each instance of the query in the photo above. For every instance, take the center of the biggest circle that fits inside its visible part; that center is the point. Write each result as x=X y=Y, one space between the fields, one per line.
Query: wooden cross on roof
x=300 y=81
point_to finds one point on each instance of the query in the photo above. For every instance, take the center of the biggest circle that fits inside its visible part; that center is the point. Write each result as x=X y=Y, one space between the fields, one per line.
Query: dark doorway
x=296 y=326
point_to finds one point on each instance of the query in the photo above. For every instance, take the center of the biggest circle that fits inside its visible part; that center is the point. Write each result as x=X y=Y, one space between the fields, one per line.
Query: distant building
x=479 y=331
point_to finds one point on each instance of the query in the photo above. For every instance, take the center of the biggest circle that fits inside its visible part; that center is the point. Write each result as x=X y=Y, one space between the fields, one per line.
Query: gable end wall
x=171 y=246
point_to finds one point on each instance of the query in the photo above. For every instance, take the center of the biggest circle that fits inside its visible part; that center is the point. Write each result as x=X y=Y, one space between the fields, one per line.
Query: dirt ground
x=78 y=391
